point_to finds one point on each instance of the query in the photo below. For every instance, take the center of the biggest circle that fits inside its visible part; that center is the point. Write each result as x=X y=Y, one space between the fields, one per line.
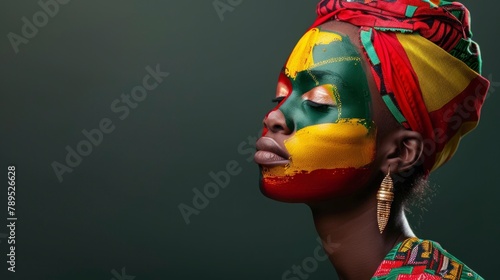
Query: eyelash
x=309 y=102
x=318 y=105
x=278 y=99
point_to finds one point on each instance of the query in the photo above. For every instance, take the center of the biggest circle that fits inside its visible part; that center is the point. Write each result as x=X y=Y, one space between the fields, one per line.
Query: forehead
x=321 y=48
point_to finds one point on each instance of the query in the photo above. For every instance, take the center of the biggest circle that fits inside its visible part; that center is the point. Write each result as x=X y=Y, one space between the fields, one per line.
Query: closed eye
x=319 y=105
x=320 y=97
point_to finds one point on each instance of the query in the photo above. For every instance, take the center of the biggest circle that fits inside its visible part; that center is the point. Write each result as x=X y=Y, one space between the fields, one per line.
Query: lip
x=269 y=153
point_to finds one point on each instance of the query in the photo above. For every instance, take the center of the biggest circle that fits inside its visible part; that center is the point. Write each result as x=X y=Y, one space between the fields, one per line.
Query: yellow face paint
x=346 y=144
x=302 y=55
x=326 y=103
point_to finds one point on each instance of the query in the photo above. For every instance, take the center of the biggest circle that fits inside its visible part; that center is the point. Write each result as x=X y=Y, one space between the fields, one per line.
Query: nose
x=276 y=123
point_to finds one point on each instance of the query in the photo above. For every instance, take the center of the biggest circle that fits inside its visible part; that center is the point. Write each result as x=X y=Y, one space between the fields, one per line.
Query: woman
x=374 y=97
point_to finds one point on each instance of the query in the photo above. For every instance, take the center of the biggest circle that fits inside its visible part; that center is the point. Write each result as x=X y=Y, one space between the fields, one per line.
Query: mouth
x=269 y=153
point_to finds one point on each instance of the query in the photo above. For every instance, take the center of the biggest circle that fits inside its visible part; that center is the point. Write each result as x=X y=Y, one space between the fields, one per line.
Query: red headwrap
x=425 y=65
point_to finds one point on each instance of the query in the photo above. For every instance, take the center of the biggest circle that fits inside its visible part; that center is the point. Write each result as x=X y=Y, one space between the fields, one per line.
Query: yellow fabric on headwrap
x=443 y=81
x=425 y=64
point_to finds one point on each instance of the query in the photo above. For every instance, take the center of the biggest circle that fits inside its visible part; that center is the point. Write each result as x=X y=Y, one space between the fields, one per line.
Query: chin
x=314 y=186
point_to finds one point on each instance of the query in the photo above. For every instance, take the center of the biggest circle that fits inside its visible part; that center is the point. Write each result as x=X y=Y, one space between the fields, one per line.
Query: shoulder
x=422 y=259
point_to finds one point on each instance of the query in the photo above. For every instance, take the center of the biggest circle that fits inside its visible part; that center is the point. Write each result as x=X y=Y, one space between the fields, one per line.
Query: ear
x=402 y=150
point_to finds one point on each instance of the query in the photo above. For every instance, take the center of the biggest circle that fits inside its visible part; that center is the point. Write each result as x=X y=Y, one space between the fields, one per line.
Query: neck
x=351 y=237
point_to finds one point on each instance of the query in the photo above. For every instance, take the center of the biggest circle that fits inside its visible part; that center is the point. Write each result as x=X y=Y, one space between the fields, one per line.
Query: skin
x=324 y=97
x=343 y=204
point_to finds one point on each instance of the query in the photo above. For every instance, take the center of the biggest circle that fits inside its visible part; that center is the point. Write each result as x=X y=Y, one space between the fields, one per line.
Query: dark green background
x=119 y=208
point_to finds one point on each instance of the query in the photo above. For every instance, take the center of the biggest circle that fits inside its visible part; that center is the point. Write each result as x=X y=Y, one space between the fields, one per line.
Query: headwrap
x=425 y=65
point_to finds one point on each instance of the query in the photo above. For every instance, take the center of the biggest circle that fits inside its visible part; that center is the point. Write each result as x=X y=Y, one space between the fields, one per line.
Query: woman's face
x=319 y=141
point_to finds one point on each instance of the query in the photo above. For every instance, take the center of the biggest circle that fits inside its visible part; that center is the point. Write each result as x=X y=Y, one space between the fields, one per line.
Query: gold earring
x=385 y=196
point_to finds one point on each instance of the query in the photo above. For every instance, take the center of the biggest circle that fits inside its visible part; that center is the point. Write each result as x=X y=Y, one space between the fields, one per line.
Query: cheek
x=326 y=160
x=345 y=144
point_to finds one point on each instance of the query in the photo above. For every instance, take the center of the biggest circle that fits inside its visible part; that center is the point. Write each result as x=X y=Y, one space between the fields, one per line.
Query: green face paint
x=326 y=102
x=336 y=64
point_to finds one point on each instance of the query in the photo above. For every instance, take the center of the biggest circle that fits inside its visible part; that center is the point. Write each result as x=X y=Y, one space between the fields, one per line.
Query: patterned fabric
x=416 y=259
x=425 y=65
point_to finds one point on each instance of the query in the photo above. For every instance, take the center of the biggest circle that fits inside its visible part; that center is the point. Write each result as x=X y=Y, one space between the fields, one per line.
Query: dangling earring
x=385 y=196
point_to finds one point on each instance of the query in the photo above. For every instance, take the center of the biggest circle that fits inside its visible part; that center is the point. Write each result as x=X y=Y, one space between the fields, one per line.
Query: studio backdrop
x=131 y=128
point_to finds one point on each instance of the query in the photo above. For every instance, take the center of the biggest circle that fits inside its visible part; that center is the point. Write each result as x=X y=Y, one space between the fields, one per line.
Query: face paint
x=325 y=99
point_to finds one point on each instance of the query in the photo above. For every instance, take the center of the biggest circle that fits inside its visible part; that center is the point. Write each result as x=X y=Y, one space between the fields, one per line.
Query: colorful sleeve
x=416 y=259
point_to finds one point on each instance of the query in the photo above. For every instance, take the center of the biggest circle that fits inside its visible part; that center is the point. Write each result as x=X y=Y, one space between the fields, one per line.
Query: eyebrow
x=315 y=74
x=335 y=60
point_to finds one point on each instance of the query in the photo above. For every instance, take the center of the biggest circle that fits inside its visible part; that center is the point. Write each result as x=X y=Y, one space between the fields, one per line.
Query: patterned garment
x=416 y=259
x=425 y=65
